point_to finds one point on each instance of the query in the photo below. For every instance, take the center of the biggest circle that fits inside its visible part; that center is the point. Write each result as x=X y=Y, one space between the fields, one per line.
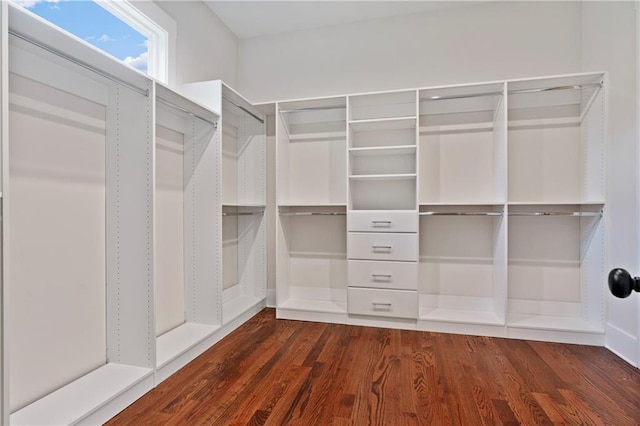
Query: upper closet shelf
x=399 y=176
x=374 y=124
x=301 y=137
x=384 y=150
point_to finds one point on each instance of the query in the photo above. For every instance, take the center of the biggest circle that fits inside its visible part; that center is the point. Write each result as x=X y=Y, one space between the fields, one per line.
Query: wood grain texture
x=277 y=372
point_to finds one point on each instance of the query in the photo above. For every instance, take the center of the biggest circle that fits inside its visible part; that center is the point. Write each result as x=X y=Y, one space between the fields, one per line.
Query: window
x=115 y=27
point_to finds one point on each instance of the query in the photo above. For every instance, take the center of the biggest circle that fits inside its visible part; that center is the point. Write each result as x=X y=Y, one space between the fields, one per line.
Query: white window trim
x=160 y=30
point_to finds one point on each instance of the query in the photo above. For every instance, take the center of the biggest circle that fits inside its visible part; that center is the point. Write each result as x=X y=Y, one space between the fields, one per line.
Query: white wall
x=206 y=49
x=480 y=42
x=609 y=43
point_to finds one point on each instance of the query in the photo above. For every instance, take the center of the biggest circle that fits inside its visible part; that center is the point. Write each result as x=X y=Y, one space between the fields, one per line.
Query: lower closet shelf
x=179 y=340
x=460 y=316
x=78 y=400
x=312 y=305
x=237 y=306
x=553 y=323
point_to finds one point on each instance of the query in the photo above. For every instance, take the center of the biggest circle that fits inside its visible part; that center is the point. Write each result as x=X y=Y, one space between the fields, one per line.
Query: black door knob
x=621 y=284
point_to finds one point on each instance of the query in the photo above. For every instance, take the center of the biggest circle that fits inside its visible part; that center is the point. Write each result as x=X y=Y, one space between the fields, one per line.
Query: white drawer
x=381 y=246
x=383 y=303
x=378 y=274
x=382 y=221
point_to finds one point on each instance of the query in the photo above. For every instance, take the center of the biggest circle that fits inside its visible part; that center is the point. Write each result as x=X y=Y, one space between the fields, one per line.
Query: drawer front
x=381 y=246
x=383 y=303
x=377 y=274
x=383 y=221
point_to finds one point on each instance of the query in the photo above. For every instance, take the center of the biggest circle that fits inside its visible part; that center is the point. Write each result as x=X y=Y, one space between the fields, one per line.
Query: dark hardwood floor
x=302 y=373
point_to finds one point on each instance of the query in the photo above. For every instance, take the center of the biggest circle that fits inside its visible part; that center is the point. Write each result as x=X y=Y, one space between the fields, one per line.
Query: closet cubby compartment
x=556 y=140
x=392 y=107
x=463 y=144
x=312 y=152
x=383 y=192
x=312 y=263
x=244 y=195
x=556 y=268
x=187 y=284
x=77 y=227
x=462 y=266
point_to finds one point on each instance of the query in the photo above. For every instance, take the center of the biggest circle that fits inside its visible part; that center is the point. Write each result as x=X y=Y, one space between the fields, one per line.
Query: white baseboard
x=271 y=298
x=622 y=344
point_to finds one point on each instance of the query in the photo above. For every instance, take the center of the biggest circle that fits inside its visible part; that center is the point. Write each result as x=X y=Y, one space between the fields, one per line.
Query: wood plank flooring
x=276 y=372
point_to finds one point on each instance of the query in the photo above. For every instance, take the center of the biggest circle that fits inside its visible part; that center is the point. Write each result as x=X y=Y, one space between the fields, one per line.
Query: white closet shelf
x=173 y=343
x=312 y=204
x=250 y=206
x=301 y=137
x=398 y=176
x=462 y=204
x=555 y=203
x=456 y=128
x=395 y=123
x=544 y=122
x=237 y=306
x=460 y=316
x=384 y=150
x=82 y=397
x=553 y=323
x=314 y=305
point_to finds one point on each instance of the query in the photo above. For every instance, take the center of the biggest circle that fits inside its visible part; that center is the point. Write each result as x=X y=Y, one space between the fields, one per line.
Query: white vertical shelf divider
x=4 y=176
x=190 y=169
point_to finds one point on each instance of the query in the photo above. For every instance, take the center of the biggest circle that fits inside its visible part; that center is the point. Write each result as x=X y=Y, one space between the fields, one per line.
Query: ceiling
x=259 y=18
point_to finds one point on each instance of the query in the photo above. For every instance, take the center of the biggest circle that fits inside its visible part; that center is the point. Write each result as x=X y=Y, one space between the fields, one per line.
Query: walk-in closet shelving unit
x=311 y=194
x=556 y=196
x=382 y=220
x=463 y=226
x=243 y=200
x=187 y=239
x=496 y=188
x=77 y=228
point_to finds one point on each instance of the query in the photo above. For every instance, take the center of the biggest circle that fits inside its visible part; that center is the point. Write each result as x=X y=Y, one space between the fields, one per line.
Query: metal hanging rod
x=189 y=113
x=566 y=214
x=244 y=109
x=460 y=213
x=313 y=214
x=537 y=90
x=144 y=92
x=285 y=111
x=260 y=213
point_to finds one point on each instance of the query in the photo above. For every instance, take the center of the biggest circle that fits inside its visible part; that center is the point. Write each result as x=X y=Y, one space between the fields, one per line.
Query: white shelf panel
x=318 y=204
x=238 y=306
x=314 y=305
x=384 y=150
x=456 y=128
x=460 y=316
x=462 y=204
x=552 y=322
x=293 y=137
x=399 y=176
x=555 y=203
x=81 y=397
x=547 y=122
x=251 y=206
x=383 y=124
x=175 y=342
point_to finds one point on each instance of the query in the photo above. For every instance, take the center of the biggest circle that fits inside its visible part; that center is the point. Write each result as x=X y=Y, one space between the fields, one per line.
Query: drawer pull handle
x=381 y=248
x=381 y=305
x=379 y=276
x=381 y=222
